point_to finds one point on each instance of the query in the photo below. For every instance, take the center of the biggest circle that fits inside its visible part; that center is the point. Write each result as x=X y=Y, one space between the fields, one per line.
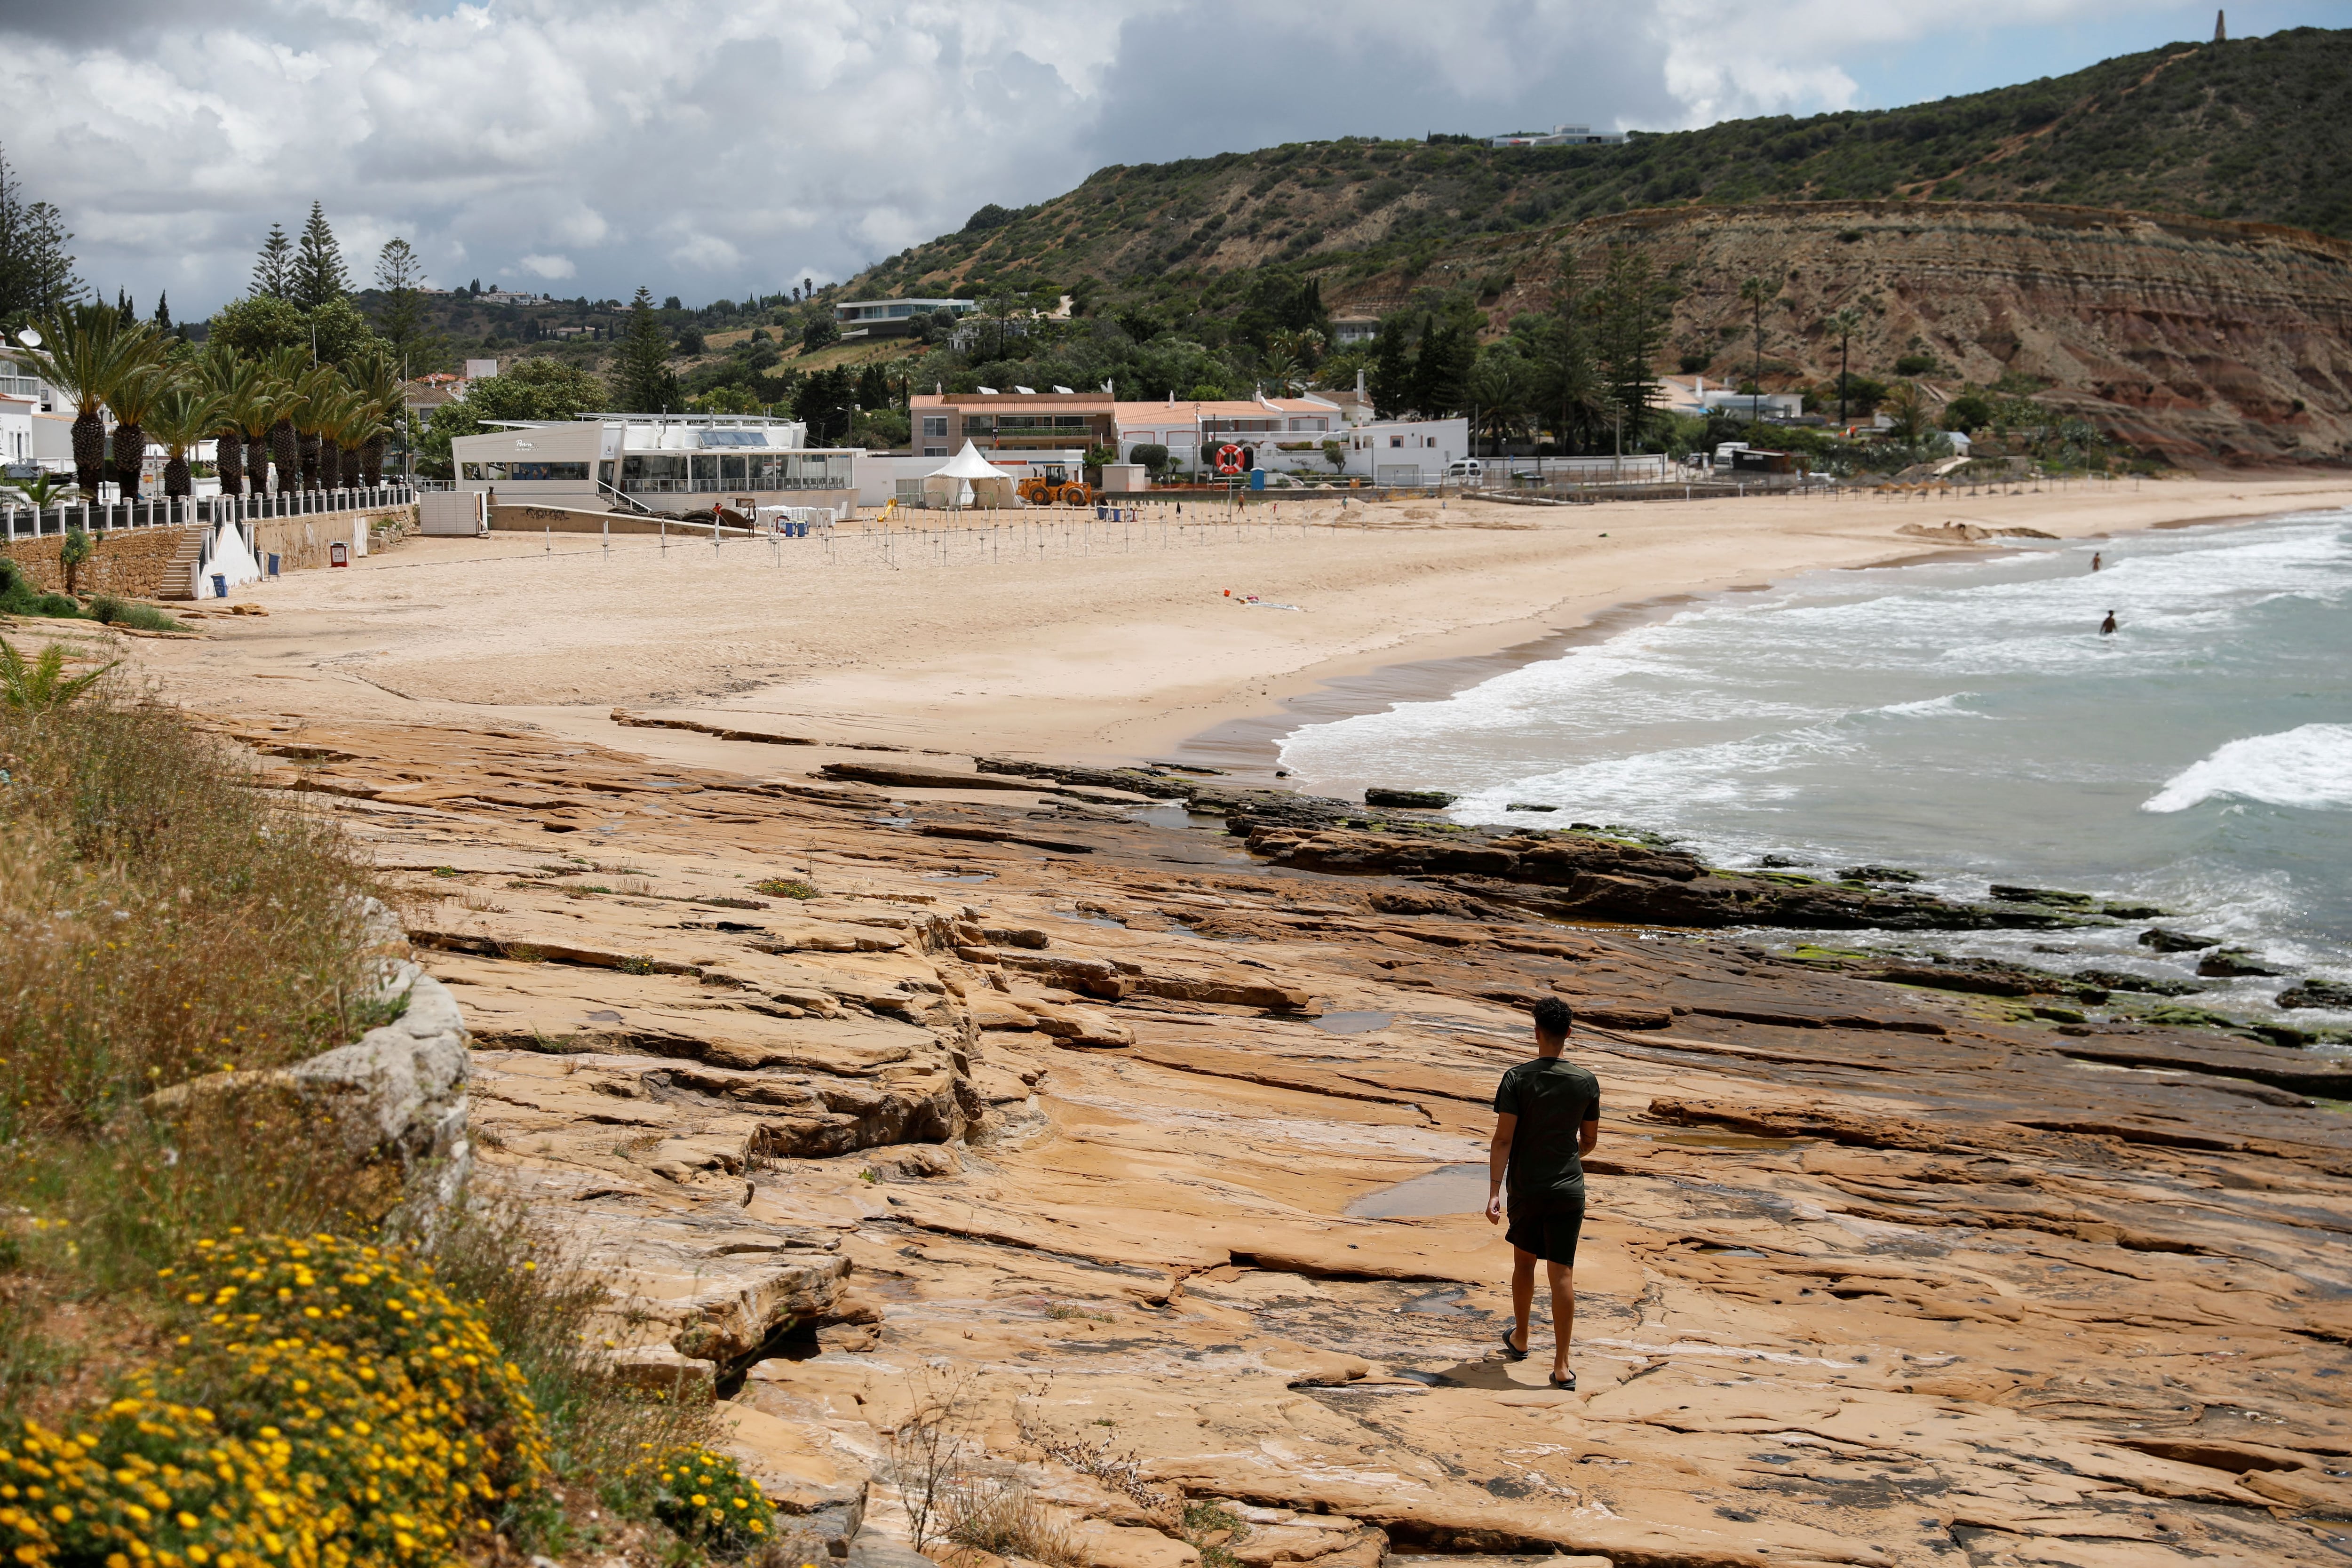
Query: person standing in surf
x=1547 y=1119
x=2107 y=627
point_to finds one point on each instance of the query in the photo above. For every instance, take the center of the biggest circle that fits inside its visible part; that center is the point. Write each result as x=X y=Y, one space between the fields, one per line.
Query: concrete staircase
x=179 y=573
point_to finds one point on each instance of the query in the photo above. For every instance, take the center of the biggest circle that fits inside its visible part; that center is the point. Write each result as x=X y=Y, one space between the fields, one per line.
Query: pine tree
x=1629 y=330
x=273 y=268
x=1391 y=375
x=162 y=310
x=316 y=276
x=642 y=378
x=401 y=321
x=36 y=275
x=1440 y=367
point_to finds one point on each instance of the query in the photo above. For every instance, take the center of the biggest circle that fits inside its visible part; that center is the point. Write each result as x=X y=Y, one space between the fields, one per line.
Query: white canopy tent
x=230 y=561
x=970 y=479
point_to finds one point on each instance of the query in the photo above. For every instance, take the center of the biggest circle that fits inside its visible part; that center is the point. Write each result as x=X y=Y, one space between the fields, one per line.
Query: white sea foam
x=2309 y=767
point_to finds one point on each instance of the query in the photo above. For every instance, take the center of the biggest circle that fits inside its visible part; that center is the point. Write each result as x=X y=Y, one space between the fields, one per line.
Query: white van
x=1467 y=472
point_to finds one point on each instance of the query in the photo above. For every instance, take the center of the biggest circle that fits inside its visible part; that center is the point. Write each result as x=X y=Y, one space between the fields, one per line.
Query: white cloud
x=741 y=146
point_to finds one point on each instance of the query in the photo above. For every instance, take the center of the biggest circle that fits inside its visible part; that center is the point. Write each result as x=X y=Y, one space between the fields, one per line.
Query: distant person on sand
x=1547 y=1119
x=2094 y=559
x=2107 y=627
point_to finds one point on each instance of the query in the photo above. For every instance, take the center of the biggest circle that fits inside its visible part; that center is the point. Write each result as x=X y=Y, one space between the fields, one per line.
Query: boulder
x=2163 y=941
x=1410 y=799
x=403 y=1087
x=2328 y=994
x=1082 y=1027
x=2010 y=894
x=2230 y=964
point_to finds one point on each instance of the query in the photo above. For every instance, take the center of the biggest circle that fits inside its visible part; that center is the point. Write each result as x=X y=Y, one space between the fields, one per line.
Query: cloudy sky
x=713 y=149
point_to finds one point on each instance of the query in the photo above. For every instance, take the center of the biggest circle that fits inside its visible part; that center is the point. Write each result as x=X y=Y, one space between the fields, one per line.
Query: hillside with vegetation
x=2258 y=130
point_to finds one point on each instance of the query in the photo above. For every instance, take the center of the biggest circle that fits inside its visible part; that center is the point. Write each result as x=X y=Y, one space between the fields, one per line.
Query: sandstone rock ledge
x=1877 y=1272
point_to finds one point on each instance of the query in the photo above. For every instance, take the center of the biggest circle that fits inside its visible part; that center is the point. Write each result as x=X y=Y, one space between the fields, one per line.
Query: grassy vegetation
x=203 y=1281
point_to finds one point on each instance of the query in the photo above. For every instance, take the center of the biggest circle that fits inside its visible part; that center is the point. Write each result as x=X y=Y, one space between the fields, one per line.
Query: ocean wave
x=2308 y=767
x=1945 y=707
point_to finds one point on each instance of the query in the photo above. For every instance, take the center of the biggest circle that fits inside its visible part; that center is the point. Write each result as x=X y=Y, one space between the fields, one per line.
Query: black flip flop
x=1567 y=1383
x=1509 y=1354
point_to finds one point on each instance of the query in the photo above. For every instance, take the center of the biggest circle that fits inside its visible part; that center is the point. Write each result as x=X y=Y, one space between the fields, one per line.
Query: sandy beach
x=1111 y=642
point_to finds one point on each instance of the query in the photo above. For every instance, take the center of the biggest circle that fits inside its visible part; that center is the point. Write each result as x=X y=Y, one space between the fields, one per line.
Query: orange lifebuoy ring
x=1228 y=458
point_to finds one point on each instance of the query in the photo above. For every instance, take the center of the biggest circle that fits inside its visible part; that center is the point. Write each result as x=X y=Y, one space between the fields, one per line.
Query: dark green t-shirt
x=1553 y=1098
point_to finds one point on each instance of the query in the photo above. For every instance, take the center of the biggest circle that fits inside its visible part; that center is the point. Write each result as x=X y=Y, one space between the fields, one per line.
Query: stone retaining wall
x=129 y=562
x=135 y=563
x=301 y=542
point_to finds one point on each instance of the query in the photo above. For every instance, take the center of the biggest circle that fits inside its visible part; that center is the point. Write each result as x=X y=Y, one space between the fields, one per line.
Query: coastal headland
x=830 y=986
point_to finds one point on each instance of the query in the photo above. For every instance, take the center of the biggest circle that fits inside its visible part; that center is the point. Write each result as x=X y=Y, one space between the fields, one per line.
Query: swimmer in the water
x=2107 y=627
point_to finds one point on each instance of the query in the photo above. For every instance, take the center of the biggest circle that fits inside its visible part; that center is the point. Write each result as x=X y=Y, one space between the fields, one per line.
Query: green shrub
x=305 y=1365
x=19 y=595
x=786 y=887
x=114 y=612
x=703 y=1497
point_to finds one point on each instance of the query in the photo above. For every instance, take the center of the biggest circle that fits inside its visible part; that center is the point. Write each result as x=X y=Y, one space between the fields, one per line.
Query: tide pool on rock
x=1966 y=720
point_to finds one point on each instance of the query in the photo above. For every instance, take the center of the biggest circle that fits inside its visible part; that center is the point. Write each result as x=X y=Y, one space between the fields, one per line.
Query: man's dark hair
x=1553 y=1018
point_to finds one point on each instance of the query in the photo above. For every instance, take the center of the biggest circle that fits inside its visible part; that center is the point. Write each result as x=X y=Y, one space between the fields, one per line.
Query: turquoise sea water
x=1966 y=720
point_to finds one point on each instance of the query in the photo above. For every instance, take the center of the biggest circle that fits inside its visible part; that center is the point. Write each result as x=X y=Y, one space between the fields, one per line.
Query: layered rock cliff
x=2193 y=338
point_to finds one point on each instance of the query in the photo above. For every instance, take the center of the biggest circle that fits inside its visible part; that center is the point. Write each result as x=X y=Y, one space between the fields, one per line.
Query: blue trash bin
x=220 y=585
x=1257 y=479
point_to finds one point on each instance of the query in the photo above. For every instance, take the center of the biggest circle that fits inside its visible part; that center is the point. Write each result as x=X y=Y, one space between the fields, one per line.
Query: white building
x=17 y=415
x=1280 y=433
x=1694 y=397
x=1559 y=136
x=604 y=462
x=884 y=477
x=892 y=318
x=1407 y=451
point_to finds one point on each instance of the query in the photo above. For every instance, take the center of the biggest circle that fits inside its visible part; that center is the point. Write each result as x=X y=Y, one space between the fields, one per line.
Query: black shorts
x=1549 y=1232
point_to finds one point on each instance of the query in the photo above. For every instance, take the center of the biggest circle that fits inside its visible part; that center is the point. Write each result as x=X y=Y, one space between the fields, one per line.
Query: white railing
x=25 y=521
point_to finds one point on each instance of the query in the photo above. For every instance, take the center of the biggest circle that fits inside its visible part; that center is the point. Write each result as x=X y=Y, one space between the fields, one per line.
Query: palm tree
x=131 y=398
x=1843 y=323
x=88 y=353
x=1499 y=386
x=1907 y=406
x=361 y=427
x=376 y=378
x=231 y=380
x=315 y=392
x=269 y=434
x=1755 y=291
x=42 y=493
x=182 y=416
x=323 y=460
x=39 y=684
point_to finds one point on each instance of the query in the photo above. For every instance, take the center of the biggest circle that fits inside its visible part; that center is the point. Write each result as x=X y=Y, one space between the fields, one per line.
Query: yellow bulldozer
x=1053 y=485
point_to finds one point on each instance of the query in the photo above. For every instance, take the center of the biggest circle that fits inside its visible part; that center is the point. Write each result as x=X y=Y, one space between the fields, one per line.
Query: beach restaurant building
x=604 y=462
x=1280 y=433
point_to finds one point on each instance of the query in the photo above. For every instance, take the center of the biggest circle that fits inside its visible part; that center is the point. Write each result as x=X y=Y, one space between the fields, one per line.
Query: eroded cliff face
x=2197 y=339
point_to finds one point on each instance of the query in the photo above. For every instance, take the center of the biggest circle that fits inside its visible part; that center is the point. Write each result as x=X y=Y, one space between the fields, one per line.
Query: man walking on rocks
x=1547 y=1119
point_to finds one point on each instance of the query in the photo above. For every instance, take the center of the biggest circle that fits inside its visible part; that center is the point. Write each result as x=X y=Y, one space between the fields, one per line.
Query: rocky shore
x=859 y=1074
